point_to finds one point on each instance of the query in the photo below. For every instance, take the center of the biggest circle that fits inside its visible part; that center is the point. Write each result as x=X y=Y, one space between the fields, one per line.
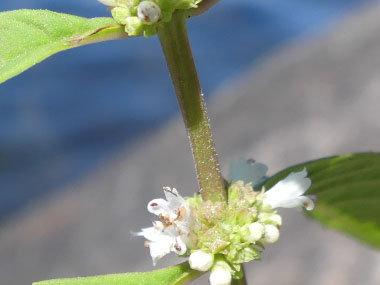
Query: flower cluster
x=221 y=236
x=172 y=232
x=143 y=17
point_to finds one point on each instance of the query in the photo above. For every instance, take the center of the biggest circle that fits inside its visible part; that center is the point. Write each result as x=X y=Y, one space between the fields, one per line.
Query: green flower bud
x=150 y=13
x=121 y=15
x=133 y=26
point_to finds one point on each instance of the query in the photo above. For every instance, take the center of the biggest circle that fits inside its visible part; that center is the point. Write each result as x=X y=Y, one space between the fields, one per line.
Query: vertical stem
x=176 y=47
x=242 y=281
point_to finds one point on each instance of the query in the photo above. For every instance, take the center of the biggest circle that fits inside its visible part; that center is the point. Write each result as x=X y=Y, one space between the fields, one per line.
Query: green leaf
x=348 y=193
x=29 y=36
x=174 y=275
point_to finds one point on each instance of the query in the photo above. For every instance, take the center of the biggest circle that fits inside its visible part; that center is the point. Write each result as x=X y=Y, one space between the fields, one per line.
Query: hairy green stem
x=176 y=47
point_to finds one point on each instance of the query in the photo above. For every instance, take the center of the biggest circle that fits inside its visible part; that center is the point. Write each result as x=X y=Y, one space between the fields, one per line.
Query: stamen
x=159 y=226
x=180 y=213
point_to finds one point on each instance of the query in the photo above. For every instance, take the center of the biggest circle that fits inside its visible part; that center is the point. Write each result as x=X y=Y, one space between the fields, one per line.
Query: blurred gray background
x=311 y=96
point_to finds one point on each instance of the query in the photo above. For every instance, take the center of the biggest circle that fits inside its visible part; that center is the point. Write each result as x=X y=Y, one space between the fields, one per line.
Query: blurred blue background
x=65 y=116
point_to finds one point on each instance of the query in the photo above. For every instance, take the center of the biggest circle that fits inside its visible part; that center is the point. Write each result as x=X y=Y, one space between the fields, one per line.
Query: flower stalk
x=176 y=47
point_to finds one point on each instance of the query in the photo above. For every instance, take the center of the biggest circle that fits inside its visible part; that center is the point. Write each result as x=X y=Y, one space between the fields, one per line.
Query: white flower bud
x=148 y=12
x=276 y=219
x=201 y=260
x=271 y=235
x=220 y=274
x=256 y=232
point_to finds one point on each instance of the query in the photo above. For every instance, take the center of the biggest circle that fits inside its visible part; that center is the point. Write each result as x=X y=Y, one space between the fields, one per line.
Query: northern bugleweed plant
x=227 y=222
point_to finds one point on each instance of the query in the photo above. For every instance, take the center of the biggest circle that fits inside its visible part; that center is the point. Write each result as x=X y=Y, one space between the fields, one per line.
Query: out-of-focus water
x=65 y=116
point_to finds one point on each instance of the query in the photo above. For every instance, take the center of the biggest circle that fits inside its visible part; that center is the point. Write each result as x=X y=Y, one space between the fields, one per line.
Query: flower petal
x=298 y=202
x=159 y=250
x=172 y=231
x=293 y=186
x=159 y=207
x=179 y=246
x=150 y=234
x=162 y=242
x=175 y=200
x=111 y=3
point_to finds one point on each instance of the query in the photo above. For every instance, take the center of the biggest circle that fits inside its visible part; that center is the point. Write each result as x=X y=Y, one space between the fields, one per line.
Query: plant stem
x=176 y=47
x=242 y=281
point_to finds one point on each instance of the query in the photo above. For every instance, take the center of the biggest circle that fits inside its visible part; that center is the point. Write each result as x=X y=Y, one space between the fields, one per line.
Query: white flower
x=271 y=235
x=171 y=232
x=201 y=261
x=220 y=274
x=288 y=193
